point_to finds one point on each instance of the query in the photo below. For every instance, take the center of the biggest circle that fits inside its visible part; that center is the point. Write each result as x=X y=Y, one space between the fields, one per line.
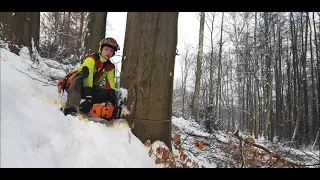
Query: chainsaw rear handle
x=117 y=112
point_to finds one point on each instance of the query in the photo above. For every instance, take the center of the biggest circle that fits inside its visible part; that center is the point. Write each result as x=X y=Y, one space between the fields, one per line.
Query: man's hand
x=85 y=107
x=111 y=95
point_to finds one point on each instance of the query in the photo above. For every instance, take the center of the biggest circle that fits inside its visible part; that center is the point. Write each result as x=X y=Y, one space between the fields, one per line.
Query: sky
x=188 y=33
x=36 y=134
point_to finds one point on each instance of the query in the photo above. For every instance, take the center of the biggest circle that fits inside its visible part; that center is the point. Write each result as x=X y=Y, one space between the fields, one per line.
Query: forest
x=254 y=72
x=260 y=75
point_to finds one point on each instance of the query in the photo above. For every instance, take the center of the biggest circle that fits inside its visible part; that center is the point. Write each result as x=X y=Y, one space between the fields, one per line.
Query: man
x=85 y=81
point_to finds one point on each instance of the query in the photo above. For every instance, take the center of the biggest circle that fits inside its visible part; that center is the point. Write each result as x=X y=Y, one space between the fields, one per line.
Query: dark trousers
x=75 y=94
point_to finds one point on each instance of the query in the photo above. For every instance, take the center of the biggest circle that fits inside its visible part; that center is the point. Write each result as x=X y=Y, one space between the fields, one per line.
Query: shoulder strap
x=94 y=56
x=108 y=65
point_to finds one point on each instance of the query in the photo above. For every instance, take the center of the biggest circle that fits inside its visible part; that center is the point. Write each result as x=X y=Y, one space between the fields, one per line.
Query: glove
x=111 y=96
x=85 y=106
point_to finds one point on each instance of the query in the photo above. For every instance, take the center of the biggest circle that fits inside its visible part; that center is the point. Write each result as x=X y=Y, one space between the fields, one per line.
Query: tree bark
x=97 y=30
x=147 y=73
x=316 y=120
x=218 y=91
x=19 y=28
x=195 y=109
x=35 y=34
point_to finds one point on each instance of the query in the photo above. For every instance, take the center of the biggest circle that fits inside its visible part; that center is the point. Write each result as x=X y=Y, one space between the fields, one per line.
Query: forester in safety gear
x=85 y=81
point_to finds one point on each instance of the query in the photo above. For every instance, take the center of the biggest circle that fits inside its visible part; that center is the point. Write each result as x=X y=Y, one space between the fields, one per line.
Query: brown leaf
x=171 y=164
x=177 y=139
x=170 y=155
x=185 y=166
x=200 y=145
x=158 y=161
x=158 y=150
x=189 y=161
x=230 y=163
x=194 y=164
x=150 y=152
x=164 y=154
x=184 y=157
x=180 y=149
x=197 y=166
x=163 y=150
x=250 y=140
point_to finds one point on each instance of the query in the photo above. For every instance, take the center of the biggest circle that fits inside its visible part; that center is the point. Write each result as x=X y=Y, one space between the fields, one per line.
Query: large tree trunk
x=19 y=28
x=13 y=30
x=97 y=31
x=147 y=73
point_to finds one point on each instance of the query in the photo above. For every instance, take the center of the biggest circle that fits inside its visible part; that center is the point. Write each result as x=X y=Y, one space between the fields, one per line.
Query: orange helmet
x=109 y=42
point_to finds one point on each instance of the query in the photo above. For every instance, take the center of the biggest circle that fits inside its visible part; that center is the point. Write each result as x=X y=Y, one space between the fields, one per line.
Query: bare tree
x=209 y=110
x=218 y=90
x=185 y=64
x=63 y=35
x=195 y=107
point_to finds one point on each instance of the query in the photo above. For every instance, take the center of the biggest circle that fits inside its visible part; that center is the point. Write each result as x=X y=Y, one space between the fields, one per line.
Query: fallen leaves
x=169 y=159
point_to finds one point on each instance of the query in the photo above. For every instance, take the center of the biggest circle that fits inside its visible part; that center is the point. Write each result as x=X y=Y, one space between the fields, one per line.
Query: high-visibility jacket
x=99 y=69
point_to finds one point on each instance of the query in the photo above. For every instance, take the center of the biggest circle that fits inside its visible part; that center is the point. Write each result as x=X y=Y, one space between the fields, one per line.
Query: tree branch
x=276 y=155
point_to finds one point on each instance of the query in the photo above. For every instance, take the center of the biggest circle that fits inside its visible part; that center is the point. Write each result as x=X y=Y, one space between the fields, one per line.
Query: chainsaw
x=107 y=112
x=103 y=112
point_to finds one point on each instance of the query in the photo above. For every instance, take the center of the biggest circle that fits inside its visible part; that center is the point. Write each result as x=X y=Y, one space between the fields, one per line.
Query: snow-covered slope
x=34 y=133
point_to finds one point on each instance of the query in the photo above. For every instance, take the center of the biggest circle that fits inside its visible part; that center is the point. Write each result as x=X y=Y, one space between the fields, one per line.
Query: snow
x=34 y=133
x=187 y=126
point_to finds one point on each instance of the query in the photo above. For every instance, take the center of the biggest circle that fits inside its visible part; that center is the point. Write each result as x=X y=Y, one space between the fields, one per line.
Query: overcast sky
x=188 y=33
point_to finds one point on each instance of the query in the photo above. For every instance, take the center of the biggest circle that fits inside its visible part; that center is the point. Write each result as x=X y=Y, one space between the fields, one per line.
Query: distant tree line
x=261 y=74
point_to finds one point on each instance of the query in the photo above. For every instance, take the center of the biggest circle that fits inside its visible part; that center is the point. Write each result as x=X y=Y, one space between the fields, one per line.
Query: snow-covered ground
x=220 y=148
x=34 y=133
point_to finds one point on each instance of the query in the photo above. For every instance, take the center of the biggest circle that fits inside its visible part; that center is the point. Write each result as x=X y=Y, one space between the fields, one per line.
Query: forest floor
x=223 y=150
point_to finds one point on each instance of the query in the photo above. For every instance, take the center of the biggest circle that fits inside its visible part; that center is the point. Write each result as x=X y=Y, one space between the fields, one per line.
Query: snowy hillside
x=34 y=133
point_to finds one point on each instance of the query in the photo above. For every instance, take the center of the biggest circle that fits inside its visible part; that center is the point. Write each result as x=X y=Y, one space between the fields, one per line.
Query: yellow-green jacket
x=99 y=69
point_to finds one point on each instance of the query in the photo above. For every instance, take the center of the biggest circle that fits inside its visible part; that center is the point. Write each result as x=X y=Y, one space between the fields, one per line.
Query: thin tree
x=218 y=89
x=195 y=106
x=210 y=23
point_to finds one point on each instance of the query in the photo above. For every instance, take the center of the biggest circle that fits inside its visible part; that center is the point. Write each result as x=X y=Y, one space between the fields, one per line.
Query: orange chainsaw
x=107 y=112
